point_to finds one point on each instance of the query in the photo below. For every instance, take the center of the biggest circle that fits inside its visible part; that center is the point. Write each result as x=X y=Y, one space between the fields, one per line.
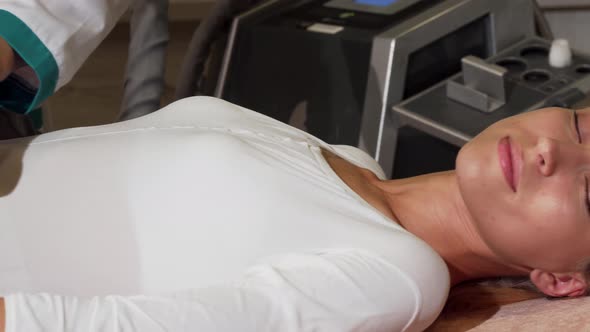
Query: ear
x=559 y=284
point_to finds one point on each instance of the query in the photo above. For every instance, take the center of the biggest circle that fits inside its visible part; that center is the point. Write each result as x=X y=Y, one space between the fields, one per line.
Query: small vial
x=560 y=55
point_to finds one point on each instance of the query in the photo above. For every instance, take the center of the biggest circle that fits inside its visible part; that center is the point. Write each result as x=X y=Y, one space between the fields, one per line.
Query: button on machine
x=325 y=28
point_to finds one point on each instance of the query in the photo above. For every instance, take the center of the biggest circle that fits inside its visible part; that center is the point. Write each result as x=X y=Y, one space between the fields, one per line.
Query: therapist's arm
x=6 y=60
x=53 y=38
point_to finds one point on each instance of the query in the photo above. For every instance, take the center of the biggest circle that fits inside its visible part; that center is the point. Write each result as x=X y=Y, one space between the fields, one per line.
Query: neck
x=431 y=207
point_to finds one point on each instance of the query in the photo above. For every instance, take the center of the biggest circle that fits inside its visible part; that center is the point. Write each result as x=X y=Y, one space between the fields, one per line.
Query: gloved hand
x=6 y=59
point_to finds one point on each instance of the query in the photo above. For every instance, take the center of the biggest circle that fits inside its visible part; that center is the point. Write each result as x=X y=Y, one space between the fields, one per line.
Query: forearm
x=6 y=59
x=57 y=32
x=54 y=38
x=2 y=315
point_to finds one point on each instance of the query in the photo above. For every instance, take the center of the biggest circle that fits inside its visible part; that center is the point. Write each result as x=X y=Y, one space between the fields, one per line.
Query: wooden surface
x=492 y=309
x=469 y=306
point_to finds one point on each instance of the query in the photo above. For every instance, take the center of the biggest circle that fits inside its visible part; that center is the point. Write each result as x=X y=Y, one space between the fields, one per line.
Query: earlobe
x=559 y=284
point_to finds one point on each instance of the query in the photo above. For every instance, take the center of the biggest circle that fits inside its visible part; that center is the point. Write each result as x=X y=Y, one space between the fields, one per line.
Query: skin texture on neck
x=431 y=208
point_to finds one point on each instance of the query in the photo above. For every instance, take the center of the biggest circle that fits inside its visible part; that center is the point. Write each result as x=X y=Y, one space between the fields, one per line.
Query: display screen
x=442 y=58
x=381 y=3
x=351 y=14
x=378 y=7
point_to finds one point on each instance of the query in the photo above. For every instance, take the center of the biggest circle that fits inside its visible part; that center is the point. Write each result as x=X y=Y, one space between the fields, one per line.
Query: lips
x=507 y=162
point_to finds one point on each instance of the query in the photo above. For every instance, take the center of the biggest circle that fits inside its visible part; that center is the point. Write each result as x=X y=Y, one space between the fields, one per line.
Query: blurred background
x=99 y=85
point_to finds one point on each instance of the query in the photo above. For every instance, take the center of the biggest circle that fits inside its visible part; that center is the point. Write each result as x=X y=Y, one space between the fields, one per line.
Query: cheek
x=553 y=210
x=534 y=230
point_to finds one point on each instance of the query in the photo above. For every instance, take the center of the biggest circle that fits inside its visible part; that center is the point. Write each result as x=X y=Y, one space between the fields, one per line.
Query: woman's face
x=525 y=180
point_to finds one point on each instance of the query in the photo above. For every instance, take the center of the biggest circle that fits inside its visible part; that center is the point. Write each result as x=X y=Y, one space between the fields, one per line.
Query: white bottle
x=560 y=55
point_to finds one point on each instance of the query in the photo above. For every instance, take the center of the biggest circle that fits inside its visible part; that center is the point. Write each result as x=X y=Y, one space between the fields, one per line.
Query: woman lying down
x=206 y=216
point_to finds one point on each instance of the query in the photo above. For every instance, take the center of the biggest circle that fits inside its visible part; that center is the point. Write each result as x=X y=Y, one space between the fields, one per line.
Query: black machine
x=335 y=68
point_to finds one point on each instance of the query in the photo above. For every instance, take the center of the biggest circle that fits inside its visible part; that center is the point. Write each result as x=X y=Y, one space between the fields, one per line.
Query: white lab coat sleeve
x=337 y=290
x=54 y=37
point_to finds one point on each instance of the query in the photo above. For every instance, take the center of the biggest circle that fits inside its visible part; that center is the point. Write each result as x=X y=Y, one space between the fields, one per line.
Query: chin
x=471 y=166
x=480 y=183
x=469 y=172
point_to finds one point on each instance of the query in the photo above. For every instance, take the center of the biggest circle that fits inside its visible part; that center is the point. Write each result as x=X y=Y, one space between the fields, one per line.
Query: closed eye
x=586 y=188
x=587 y=197
x=576 y=123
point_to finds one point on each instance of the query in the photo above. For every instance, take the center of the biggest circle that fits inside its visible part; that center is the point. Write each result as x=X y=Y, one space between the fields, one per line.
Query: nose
x=546 y=151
